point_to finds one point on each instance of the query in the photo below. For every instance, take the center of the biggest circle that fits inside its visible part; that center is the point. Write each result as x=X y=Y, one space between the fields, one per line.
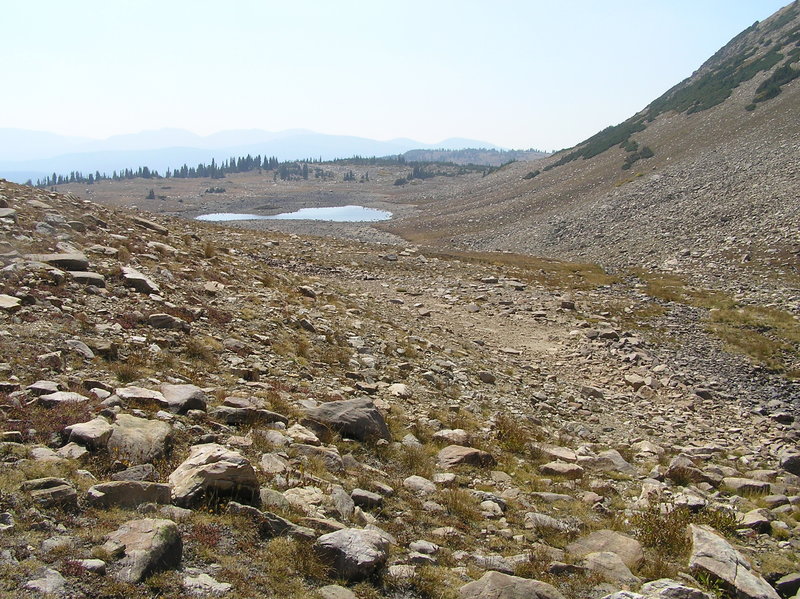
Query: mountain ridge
x=142 y=149
x=665 y=210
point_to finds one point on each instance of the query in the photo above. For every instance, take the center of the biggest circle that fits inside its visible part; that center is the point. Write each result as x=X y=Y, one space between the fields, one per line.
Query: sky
x=515 y=73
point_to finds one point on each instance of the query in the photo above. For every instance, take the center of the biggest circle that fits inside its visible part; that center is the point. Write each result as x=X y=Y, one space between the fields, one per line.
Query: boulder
x=52 y=400
x=714 y=556
x=213 y=470
x=419 y=485
x=791 y=462
x=9 y=302
x=133 y=278
x=148 y=546
x=246 y=415
x=496 y=585
x=168 y=321
x=127 y=493
x=666 y=588
x=87 y=278
x=627 y=548
x=139 y=440
x=196 y=582
x=270 y=525
x=68 y=261
x=610 y=567
x=457 y=455
x=52 y=492
x=353 y=554
x=179 y=399
x=557 y=468
x=93 y=434
x=354 y=418
x=455 y=436
x=47 y=581
x=746 y=485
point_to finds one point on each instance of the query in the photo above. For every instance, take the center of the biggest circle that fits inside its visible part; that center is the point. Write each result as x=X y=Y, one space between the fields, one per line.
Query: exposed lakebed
x=343 y=214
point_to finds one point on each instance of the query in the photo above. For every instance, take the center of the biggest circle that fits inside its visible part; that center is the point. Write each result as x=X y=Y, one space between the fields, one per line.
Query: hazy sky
x=517 y=73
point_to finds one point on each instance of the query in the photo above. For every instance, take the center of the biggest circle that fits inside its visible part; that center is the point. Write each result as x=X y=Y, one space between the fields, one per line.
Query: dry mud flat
x=198 y=409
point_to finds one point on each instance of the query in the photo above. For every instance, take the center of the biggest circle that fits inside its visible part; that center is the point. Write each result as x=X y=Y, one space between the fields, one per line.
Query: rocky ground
x=191 y=409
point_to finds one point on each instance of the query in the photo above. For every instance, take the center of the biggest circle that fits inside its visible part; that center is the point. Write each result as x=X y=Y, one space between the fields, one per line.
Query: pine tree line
x=284 y=170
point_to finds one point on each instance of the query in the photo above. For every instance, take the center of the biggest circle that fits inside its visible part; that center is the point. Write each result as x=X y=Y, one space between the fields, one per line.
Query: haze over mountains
x=33 y=154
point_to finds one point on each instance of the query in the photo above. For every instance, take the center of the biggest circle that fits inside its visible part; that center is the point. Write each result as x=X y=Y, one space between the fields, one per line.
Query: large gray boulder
x=353 y=553
x=210 y=471
x=139 y=440
x=354 y=418
x=496 y=585
x=128 y=493
x=714 y=556
x=148 y=546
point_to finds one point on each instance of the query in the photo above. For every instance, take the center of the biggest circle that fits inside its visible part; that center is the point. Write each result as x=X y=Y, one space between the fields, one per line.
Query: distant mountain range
x=35 y=154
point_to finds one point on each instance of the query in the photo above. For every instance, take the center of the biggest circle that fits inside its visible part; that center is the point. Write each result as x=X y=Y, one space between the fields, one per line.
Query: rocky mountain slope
x=703 y=181
x=195 y=410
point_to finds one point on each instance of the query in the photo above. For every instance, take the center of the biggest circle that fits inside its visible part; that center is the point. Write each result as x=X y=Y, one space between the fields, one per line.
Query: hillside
x=190 y=409
x=717 y=199
x=488 y=157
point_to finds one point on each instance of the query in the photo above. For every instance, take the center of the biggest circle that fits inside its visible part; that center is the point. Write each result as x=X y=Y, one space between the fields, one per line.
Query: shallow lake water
x=339 y=214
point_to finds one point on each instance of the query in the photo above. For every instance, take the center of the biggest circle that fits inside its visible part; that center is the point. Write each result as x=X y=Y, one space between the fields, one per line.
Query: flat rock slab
x=182 y=398
x=353 y=553
x=9 y=302
x=52 y=400
x=246 y=415
x=148 y=545
x=139 y=440
x=128 y=493
x=354 y=418
x=457 y=455
x=133 y=278
x=496 y=585
x=746 y=485
x=713 y=555
x=52 y=492
x=148 y=224
x=213 y=470
x=87 y=278
x=565 y=469
x=68 y=261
